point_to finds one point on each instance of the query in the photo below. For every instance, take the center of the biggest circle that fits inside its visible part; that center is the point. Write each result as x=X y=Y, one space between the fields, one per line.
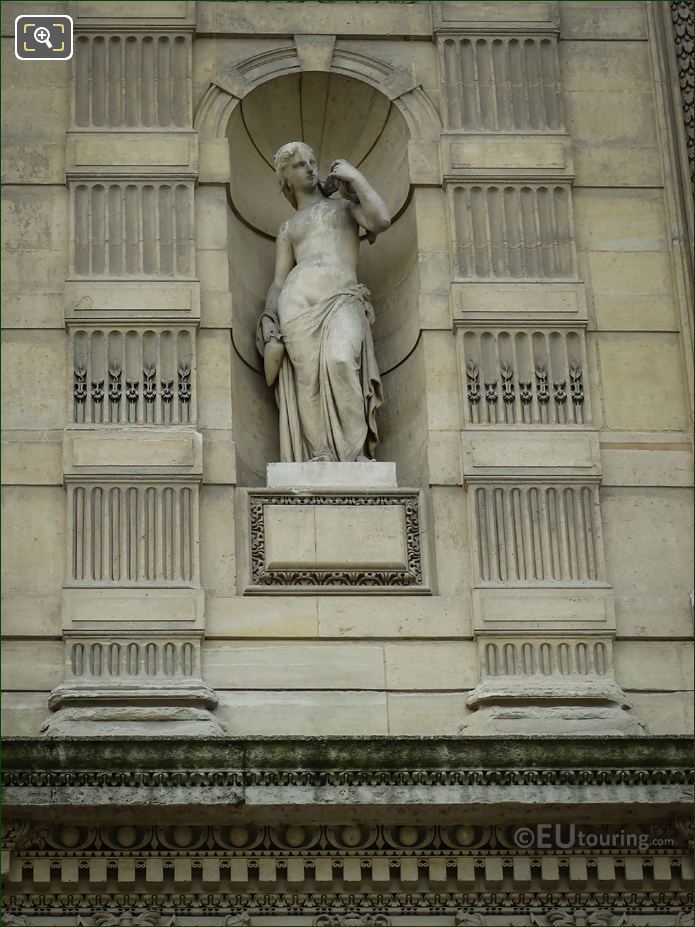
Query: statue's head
x=295 y=167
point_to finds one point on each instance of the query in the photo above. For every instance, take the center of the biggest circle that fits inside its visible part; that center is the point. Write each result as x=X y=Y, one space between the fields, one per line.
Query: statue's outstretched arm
x=370 y=212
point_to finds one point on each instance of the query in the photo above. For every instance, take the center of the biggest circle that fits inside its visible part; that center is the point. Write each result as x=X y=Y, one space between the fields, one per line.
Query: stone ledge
x=317 y=755
x=590 y=776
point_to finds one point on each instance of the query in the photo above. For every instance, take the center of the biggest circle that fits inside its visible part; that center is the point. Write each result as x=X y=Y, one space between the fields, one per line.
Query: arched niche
x=339 y=116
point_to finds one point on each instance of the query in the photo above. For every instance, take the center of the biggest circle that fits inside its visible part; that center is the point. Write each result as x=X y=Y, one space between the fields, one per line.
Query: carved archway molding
x=317 y=53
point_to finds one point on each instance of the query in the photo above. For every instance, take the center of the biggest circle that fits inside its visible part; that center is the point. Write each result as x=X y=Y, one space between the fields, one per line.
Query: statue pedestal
x=327 y=528
x=345 y=475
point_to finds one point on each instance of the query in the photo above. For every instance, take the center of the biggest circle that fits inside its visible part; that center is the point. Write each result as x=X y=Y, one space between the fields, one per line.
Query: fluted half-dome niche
x=339 y=117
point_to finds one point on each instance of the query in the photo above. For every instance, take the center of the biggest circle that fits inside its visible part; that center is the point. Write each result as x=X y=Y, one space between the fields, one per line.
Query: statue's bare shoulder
x=285 y=229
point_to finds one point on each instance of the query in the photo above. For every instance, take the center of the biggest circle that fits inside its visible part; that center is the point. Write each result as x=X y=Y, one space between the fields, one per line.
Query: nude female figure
x=316 y=323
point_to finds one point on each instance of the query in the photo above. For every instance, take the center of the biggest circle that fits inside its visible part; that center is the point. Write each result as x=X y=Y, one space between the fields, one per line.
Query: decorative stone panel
x=451 y=16
x=139 y=374
x=519 y=231
x=526 y=376
x=131 y=659
x=132 y=460
x=552 y=657
x=135 y=79
x=501 y=82
x=537 y=533
x=133 y=534
x=336 y=542
x=133 y=230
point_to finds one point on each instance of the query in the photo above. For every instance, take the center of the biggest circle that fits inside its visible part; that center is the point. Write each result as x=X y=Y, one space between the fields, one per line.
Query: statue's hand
x=341 y=170
x=270 y=329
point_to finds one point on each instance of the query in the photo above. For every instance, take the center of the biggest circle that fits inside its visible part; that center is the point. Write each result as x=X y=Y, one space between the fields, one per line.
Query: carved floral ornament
x=580 y=917
x=577 y=776
x=509 y=386
x=150 y=386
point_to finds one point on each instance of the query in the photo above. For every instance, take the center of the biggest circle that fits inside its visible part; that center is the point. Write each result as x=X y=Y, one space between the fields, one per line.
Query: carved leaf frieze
x=540 y=908
x=528 y=375
x=138 y=375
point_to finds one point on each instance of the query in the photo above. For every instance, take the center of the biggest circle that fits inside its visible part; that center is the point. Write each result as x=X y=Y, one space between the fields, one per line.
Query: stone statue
x=315 y=330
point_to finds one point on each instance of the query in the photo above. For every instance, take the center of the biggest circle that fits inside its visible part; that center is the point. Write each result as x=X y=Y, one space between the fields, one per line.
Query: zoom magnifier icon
x=43 y=36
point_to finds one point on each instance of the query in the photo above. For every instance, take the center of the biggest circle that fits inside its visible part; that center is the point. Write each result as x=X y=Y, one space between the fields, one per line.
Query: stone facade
x=522 y=574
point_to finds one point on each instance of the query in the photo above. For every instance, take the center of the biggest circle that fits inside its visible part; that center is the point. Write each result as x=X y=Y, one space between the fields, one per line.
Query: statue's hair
x=281 y=160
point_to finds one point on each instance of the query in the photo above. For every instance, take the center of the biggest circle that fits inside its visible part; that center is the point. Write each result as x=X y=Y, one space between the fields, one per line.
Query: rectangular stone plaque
x=335 y=537
x=335 y=542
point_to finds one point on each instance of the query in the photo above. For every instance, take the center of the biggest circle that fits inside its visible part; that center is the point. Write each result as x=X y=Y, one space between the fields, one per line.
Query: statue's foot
x=363 y=459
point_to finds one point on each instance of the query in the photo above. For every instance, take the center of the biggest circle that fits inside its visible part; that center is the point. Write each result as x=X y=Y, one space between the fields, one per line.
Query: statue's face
x=300 y=172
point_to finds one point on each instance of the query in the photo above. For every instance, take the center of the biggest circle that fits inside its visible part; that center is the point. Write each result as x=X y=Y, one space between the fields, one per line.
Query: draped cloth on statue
x=329 y=388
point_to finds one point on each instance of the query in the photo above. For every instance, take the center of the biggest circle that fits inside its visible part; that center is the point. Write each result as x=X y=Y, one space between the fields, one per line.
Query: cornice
x=318 y=756
x=590 y=774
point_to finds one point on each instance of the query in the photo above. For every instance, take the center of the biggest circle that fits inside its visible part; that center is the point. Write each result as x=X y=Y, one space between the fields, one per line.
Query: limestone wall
x=543 y=230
